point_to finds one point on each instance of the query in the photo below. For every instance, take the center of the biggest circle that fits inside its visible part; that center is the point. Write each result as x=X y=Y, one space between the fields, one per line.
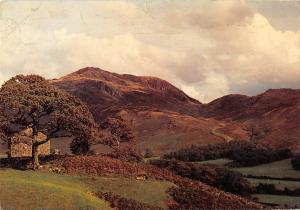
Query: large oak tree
x=32 y=102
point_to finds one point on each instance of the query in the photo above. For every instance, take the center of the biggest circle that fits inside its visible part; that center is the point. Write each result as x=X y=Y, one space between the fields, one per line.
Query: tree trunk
x=35 y=157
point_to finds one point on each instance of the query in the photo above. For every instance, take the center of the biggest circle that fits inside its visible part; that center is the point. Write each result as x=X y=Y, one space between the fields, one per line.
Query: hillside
x=164 y=117
x=241 y=107
x=103 y=90
x=271 y=117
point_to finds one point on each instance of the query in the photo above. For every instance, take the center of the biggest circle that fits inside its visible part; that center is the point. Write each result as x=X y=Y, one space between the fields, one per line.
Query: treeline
x=242 y=152
x=218 y=177
x=273 y=190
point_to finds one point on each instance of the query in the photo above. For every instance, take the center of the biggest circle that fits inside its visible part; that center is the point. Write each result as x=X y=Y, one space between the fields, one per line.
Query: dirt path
x=217 y=133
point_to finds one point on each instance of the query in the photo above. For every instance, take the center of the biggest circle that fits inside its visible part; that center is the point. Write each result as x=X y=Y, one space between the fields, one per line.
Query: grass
x=150 y=191
x=218 y=162
x=39 y=190
x=278 y=169
x=278 y=199
x=29 y=190
x=280 y=184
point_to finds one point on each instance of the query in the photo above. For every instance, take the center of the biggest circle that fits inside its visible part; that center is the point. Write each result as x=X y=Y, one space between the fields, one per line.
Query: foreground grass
x=150 y=192
x=22 y=190
x=278 y=169
x=278 y=199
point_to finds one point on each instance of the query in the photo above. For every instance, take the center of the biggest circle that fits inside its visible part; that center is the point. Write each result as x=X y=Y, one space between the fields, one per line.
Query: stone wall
x=21 y=144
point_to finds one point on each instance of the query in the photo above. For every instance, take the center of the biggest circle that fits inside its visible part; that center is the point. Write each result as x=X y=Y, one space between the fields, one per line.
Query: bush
x=80 y=146
x=148 y=153
x=296 y=163
x=127 y=153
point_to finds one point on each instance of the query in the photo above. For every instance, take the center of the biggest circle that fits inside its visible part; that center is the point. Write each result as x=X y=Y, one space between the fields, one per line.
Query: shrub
x=148 y=153
x=296 y=162
x=127 y=153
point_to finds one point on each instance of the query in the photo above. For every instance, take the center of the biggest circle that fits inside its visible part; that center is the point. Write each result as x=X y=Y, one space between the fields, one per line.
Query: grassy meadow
x=278 y=169
x=39 y=190
x=277 y=199
x=218 y=162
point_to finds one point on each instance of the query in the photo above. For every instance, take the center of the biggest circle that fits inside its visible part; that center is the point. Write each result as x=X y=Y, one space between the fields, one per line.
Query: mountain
x=241 y=107
x=103 y=90
x=164 y=117
x=272 y=117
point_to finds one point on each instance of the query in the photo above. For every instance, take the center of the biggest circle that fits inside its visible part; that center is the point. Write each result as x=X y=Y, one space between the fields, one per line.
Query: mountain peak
x=105 y=89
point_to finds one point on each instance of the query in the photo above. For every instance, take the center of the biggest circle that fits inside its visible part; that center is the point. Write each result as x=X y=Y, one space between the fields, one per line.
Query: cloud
x=207 y=48
x=245 y=47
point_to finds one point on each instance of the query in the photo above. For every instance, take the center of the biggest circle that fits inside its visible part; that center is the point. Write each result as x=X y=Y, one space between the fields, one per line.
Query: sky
x=207 y=48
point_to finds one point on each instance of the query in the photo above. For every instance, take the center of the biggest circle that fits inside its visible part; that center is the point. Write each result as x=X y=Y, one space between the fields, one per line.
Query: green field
x=218 y=162
x=22 y=190
x=278 y=199
x=150 y=191
x=278 y=169
x=280 y=184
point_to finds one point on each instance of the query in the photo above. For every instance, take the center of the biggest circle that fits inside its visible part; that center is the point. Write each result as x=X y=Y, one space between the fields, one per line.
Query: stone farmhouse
x=21 y=144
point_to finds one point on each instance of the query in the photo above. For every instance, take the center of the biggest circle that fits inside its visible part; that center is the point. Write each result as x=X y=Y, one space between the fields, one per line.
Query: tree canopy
x=32 y=102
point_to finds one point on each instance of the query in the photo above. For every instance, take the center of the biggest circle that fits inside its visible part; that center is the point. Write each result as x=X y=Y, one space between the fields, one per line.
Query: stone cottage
x=21 y=144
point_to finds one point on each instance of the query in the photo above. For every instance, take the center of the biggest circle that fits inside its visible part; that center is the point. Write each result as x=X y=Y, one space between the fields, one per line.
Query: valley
x=169 y=147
